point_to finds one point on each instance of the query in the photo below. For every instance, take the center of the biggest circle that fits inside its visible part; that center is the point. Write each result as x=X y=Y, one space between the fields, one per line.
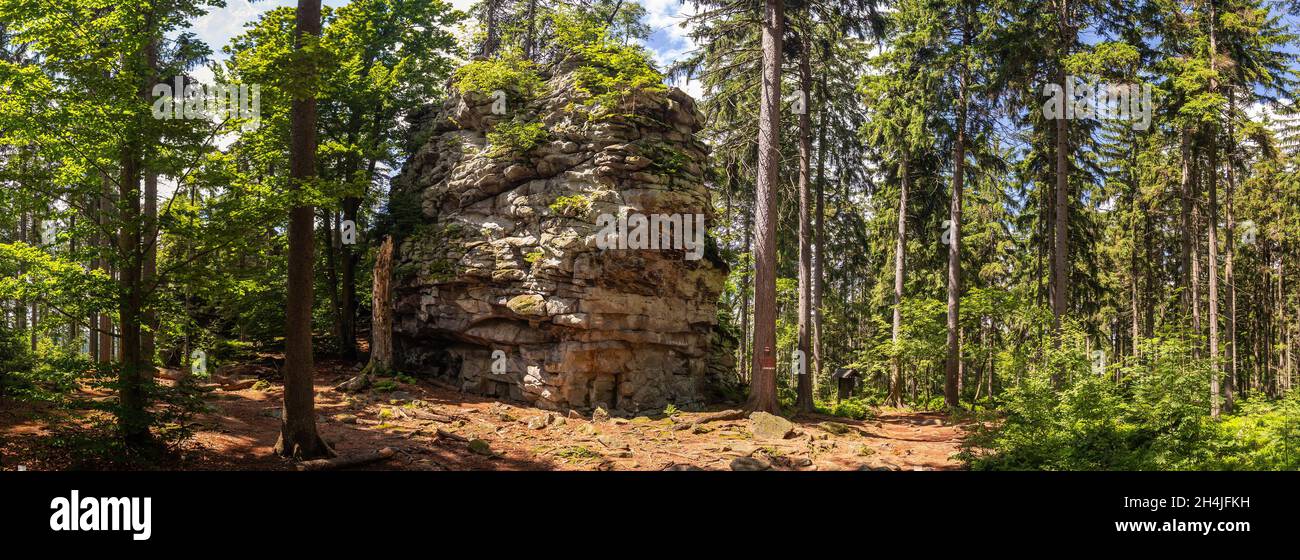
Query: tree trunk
x=148 y=343
x=1231 y=246
x=532 y=29
x=952 y=365
x=105 y=353
x=819 y=267
x=762 y=395
x=804 y=400
x=745 y=371
x=133 y=418
x=1185 y=214
x=1061 y=205
x=298 y=436
x=330 y=239
x=348 y=316
x=900 y=256
x=20 y=306
x=381 y=331
x=1213 y=229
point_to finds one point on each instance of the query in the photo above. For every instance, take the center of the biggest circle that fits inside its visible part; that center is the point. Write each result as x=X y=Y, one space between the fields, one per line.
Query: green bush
x=15 y=362
x=855 y=408
x=610 y=70
x=515 y=137
x=571 y=205
x=510 y=73
x=1155 y=416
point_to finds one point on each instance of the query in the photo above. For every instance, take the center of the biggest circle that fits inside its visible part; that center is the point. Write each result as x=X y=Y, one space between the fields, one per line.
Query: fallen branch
x=345 y=462
x=426 y=415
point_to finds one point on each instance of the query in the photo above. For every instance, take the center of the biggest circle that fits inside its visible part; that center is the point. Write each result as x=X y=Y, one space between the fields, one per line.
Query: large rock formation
x=504 y=261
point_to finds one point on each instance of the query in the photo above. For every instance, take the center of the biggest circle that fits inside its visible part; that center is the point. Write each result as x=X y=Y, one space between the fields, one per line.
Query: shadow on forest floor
x=434 y=428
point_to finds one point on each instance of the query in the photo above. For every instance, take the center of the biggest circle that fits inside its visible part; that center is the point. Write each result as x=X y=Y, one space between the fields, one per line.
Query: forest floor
x=430 y=427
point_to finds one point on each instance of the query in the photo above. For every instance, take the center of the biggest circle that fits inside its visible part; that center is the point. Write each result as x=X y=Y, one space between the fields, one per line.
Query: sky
x=667 y=43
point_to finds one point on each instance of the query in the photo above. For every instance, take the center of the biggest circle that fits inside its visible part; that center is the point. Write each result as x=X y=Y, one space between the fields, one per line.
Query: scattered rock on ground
x=770 y=426
x=749 y=464
x=480 y=447
x=541 y=421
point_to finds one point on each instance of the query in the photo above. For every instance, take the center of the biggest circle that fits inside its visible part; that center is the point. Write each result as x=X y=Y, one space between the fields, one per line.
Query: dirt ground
x=434 y=428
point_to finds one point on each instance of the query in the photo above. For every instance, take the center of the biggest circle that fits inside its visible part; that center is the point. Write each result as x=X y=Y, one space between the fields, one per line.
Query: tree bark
x=1213 y=229
x=1231 y=246
x=745 y=350
x=900 y=255
x=148 y=343
x=298 y=436
x=1061 y=205
x=762 y=395
x=952 y=365
x=133 y=418
x=819 y=267
x=349 y=262
x=804 y=400
x=381 y=329
x=105 y=338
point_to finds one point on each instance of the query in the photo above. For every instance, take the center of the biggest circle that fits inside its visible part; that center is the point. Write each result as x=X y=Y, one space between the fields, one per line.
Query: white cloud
x=670 y=40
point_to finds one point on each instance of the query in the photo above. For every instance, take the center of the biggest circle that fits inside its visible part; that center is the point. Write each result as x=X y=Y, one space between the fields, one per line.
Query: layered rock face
x=502 y=287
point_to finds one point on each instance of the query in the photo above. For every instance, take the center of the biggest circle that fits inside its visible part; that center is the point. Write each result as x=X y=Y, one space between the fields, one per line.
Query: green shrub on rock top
x=510 y=73
x=609 y=70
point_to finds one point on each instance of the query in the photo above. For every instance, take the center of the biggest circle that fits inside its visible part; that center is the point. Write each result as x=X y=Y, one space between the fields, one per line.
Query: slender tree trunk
x=148 y=343
x=20 y=306
x=492 y=34
x=762 y=395
x=330 y=239
x=1061 y=205
x=952 y=366
x=745 y=371
x=1229 y=387
x=105 y=320
x=1135 y=280
x=1185 y=233
x=532 y=27
x=1196 y=255
x=1213 y=229
x=74 y=324
x=804 y=400
x=381 y=329
x=819 y=269
x=900 y=256
x=298 y=436
x=349 y=263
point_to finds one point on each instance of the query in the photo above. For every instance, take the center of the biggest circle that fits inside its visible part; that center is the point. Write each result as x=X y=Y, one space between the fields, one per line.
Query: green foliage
x=579 y=453
x=515 y=137
x=15 y=361
x=1154 y=417
x=509 y=72
x=574 y=205
x=855 y=408
x=609 y=71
